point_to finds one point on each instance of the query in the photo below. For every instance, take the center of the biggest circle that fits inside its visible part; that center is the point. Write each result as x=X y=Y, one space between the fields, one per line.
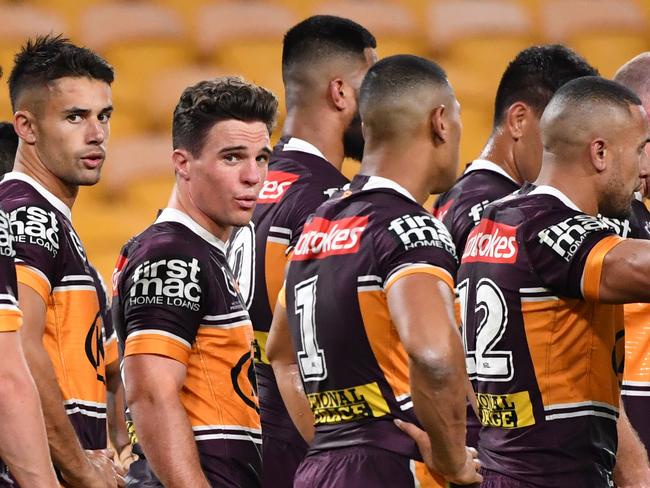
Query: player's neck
x=559 y=176
x=400 y=164
x=318 y=132
x=28 y=162
x=500 y=151
x=183 y=203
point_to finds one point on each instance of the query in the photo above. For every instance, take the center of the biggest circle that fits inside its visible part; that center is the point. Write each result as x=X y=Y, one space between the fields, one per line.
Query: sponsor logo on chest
x=172 y=282
x=6 y=247
x=34 y=225
x=491 y=242
x=321 y=238
x=275 y=186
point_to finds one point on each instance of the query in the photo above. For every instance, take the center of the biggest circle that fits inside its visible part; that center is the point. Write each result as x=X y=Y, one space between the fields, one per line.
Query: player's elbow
x=439 y=363
x=16 y=383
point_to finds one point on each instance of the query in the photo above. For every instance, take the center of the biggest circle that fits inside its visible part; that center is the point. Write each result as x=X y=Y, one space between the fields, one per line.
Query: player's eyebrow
x=232 y=149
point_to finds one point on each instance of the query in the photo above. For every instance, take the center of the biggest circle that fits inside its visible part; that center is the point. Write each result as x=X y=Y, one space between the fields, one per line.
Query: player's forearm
x=23 y=442
x=161 y=422
x=632 y=469
x=66 y=451
x=295 y=400
x=439 y=403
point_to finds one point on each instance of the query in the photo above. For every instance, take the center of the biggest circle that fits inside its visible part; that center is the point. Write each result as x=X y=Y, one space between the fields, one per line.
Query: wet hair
x=322 y=37
x=8 y=147
x=208 y=102
x=535 y=75
x=47 y=58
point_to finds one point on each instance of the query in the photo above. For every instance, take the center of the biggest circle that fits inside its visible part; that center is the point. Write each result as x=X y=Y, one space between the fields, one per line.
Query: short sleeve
x=162 y=301
x=566 y=250
x=38 y=235
x=415 y=243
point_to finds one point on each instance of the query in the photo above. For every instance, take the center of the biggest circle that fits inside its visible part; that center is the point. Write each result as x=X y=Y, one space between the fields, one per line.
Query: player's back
x=352 y=362
x=461 y=207
x=542 y=353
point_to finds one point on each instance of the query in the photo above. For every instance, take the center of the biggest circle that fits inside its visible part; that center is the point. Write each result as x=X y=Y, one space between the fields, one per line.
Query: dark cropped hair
x=48 y=58
x=321 y=36
x=8 y=147
x=211 y=101
x=535 y=75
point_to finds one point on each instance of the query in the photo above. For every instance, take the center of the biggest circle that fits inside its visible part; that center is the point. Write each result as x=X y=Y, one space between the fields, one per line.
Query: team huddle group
x=278 y=325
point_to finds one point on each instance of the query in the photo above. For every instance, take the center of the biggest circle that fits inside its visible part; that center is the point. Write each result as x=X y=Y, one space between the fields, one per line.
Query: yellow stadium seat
x=252 y=48
x=607 y=32
x=393 y=25
x=476 y=41
x=139 y=39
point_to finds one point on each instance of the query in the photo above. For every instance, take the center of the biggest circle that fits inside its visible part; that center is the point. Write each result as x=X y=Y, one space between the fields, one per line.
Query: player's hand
x=102 y=472
x=469 y=472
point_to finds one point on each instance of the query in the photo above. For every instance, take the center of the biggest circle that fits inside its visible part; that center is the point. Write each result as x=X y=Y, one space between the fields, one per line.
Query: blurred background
x=158 y=47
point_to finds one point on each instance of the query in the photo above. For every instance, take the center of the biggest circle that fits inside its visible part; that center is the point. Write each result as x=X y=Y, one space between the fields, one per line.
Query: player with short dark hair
x=324 y=59
x=369 y=297
x=61 y=97
x=539 y=284
x=185 y=333
x=8 y=146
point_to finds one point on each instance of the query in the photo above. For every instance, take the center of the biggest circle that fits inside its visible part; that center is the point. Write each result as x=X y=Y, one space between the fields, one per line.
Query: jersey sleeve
x=37 y=236
x=415 y=243
x=162 y=300
x=567 y=250
x=10 y=314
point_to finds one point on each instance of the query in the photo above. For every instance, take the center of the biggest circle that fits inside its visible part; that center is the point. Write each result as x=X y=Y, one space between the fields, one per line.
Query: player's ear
x=517 y=119
x=181 y=159
x=337 y=93
x=598 y=151
x=24 y=126
x=439 y=128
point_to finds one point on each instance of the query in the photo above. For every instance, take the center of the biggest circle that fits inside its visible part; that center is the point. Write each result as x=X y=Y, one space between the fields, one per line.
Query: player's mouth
x=93 y=160
x=246 y=202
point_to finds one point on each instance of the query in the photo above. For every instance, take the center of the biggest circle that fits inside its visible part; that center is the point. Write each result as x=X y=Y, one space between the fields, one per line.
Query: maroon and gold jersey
x=353 y=365
x=176 y=297
x=542 y=353
x=10 y=315
x=636 y=375
x=461 y=207
x=51 y=260
x=299 y=180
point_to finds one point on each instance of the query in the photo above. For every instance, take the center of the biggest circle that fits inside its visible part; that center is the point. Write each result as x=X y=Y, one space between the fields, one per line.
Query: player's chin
x=86 y=177
x=241 y=218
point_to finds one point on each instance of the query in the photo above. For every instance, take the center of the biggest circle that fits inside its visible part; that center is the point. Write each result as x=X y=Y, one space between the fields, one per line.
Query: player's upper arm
x=279 y=346
x=625 y=273
x=421 y=307
x=150 y=376
x=34 y=314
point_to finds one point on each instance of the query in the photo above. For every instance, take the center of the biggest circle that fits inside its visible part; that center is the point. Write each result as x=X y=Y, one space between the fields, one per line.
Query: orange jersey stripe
x=594 y=267
x=637 y=342
x=156 y=342
x=420 y=268
x=36 y=281
x=10 y=320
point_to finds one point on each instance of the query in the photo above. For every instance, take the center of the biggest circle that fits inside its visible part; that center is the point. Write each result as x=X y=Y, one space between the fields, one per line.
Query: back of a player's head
x=535 y=75
x=321 y=38
x=211 y=101
x=635 y=75
x=8 y=147
x=49 y=58
x=583 y=107
x=394 y=92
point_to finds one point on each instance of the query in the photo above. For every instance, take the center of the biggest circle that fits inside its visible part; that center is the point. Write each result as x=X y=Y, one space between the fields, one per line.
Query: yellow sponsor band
x=354 y=403
x=507 y=411
x=259 y=348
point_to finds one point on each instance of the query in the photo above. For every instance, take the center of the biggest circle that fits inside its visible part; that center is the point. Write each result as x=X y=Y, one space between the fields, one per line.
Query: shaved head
x=583 y=109
x=399 y=92
x=635 y=75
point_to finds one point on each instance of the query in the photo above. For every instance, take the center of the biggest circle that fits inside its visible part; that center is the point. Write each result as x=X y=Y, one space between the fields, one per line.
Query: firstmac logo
x=172 y=282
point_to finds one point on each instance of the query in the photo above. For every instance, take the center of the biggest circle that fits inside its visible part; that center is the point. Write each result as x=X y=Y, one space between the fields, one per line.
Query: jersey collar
x=375 y=182
x=174 y=215
x=295 y=144
x=55 y=201
x=551 y=190
x=484 y=164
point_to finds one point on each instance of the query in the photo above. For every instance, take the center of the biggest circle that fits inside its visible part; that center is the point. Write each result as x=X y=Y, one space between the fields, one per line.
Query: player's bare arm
x=632 y=468
x=279 y=350
x=77 y=468
x=625 y=277
x=164 y=431
x=421 y=307
x=23 y=442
